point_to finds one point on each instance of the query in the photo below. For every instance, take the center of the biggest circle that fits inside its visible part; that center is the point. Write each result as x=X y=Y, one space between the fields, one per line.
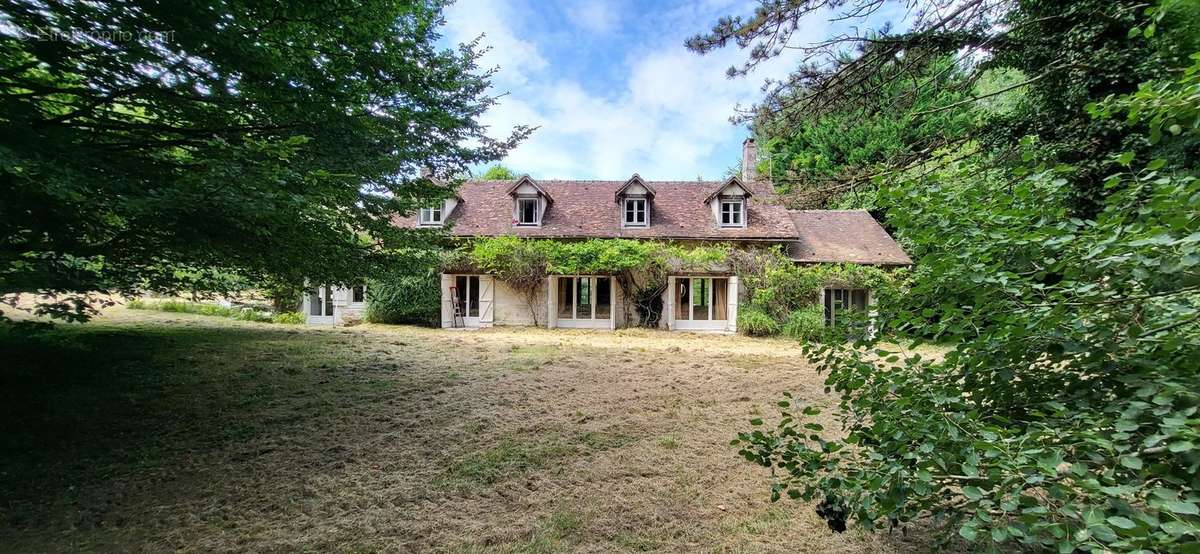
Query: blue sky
x=612 y=86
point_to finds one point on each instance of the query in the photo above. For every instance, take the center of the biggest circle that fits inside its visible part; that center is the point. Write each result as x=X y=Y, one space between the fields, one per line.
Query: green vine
x=776 y=288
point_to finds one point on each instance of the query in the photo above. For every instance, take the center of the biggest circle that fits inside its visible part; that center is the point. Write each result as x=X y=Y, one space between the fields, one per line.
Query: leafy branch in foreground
x=1065 y=416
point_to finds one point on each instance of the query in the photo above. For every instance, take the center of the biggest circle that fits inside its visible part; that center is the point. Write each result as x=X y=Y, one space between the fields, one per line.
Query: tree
x=144 y=140
x=499 y=173
x=1058 y=256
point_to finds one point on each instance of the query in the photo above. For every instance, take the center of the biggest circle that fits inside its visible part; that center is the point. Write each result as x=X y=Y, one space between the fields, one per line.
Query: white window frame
x=593 y=297
x=537 y=211
x=740 y=212
x=645 y=210
x=350 y=295
x=846 y=301
x=425 y=216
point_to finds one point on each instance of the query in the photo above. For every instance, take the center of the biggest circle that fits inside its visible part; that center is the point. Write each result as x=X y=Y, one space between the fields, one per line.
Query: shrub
x=199 y=308
x=288 y=318
x=756 y=323
x=806 y=324
x=414 y=299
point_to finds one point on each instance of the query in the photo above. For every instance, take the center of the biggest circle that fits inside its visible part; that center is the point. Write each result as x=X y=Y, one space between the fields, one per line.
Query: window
x=841 y=300
x=527 y=212
x=584 y=298
x=635 y=212
x=466 y=294
x=358 y=294
x=731 y=213
x=430 y=216
x=701 y=298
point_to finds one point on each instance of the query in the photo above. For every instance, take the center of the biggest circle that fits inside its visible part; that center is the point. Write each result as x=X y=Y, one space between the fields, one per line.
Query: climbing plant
x=782 y=297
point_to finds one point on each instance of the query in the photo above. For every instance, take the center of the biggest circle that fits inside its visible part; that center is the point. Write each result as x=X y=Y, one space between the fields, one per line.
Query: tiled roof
x=588 y=209
x=843 y=236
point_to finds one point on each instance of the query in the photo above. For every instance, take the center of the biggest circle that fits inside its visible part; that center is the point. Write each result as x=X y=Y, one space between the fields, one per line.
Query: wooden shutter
x=447 y=301
x=487 y=294
x=732 y=308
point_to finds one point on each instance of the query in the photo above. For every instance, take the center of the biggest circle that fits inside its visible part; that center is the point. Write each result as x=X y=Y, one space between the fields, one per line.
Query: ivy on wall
x=782 y=297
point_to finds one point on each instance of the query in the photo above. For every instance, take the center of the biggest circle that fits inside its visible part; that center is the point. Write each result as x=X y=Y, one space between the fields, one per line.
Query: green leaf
x=1121 y=522
x=969 y=531
x=1131 y=462
x=1180 y=507
x=972 y=492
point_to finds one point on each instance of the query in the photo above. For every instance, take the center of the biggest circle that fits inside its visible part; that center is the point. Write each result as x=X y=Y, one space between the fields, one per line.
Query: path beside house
x=153 y=431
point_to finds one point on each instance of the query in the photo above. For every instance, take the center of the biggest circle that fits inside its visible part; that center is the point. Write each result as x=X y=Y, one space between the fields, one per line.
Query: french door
x=320 y=304
x=701 y=302
x=584 y=299
x=466 y=290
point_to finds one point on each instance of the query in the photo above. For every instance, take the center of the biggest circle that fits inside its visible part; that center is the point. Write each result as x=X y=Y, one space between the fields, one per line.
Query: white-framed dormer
x=730 y=204
x=436 y=213
x=430 y=216
x=634 y=200
x=530 y=202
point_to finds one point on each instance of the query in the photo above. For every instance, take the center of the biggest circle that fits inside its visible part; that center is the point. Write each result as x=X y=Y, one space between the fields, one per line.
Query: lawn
x=150 y=431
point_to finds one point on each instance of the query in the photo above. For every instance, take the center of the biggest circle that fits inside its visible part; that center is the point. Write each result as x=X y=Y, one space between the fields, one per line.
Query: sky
x=611 y=87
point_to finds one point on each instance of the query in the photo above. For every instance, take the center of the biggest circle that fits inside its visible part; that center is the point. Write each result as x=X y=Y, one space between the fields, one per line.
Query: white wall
x=512 y=309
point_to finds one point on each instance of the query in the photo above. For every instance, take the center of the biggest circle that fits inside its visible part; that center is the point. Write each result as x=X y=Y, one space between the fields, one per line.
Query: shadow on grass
x=87 y=407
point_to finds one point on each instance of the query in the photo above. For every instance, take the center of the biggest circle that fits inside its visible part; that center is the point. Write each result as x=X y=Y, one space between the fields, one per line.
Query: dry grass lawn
x=148 y=431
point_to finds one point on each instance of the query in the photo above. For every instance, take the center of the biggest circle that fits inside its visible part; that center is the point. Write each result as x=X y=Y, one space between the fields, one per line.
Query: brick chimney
x=749 y=160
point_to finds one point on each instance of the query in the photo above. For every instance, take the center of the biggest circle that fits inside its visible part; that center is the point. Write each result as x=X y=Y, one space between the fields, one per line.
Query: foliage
x=405 y=298
x=640 y=267
x=755 y=322
x=1057 y=250
x=790 y=294
x=243 y=313
x=806 y=324
x=152 y=146
x=288 y=318
x=1065 y=417
x=499 y=173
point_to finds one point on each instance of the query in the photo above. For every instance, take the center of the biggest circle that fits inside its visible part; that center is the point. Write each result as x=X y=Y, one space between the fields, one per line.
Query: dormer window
x=528 y=212
x=634 y=198
x=530 y=202
x=430 y=216
x=635 y=212
x=733 y=213
x=728 y=203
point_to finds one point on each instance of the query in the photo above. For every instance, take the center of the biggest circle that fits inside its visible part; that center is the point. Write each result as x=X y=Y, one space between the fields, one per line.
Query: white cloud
x=666 y=115
x=596 y=16
x=517 y=58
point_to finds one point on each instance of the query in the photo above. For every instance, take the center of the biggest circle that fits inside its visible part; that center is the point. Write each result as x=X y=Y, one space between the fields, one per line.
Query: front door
x=320 y=305
x=701 y=303
x=466 y=291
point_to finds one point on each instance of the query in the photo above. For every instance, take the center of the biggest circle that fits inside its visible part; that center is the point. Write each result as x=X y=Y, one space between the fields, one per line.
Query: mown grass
x=84 y=404
x=518 y=454
x=201 y=308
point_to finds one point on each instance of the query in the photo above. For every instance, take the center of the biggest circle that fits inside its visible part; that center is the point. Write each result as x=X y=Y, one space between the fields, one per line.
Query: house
x=740 y=210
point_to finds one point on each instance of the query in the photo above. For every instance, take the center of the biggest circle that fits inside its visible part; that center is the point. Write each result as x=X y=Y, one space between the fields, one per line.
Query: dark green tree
x=144 y=141
x=1057 y=243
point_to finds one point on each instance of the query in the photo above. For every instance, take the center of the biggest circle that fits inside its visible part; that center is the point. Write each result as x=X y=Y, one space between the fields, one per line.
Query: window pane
x=700 y=299
x=528 y=210
x=828 y=306
x=858 y=299
x=328 y=300
x=357 y=294
x=314 y=302
x=583 y=298
x=603 y=298
x=473 y=296
x=460 y=293
x=565 y=294
x=720 y=298
x=683 y=303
